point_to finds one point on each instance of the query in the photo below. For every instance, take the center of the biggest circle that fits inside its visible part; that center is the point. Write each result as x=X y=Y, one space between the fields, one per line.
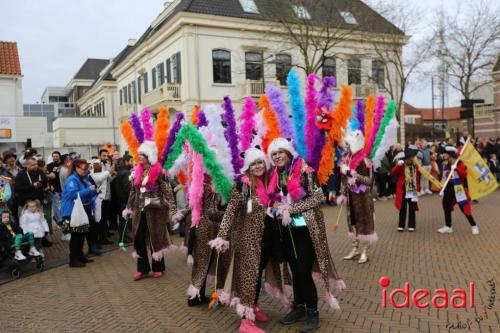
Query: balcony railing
x=126 y=110
x=166 y=92
x=483 y=110
x=361 y=91
x=255 y=88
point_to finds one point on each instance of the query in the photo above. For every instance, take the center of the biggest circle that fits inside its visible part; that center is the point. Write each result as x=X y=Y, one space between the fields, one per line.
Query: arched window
x=221 y=63
x=283 y=66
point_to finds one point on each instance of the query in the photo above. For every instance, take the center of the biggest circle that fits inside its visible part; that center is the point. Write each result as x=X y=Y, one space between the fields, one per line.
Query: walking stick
x=293 y=243
x=121 y=244
x=214 y=302
x=336 y=225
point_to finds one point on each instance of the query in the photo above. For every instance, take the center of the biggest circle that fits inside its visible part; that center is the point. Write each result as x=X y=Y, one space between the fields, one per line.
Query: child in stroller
x=13 y=238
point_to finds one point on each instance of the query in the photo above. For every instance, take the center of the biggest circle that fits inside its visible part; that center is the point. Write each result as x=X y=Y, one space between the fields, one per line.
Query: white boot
x=19 y=255
x=354 y=251
x=34 y=252
x=445 y=230
x=475 y=230
x=364 y=254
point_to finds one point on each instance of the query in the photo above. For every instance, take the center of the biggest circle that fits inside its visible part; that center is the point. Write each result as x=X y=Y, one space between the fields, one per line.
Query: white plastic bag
x=98 y=210
x=78 y=215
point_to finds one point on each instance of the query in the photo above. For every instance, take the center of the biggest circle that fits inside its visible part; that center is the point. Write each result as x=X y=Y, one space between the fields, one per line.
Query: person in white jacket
x=32 y=220
x=101 y=179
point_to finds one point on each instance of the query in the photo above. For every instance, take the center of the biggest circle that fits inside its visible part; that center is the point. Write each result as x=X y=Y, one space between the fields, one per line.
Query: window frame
x=257 y=63
x=224 y=73
x=350 y=68
x=377 y=71
x=286 y=67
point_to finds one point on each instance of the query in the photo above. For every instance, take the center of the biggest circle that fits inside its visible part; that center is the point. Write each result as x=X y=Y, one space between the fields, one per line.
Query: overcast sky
x=56 y=36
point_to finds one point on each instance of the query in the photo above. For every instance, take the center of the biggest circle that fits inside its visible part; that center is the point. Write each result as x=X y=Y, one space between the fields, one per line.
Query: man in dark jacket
x=30 y=184
x=121 y=185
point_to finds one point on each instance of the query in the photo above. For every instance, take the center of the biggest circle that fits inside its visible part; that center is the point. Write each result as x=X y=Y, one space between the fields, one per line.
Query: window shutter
x=169 y=71
x=178 y=67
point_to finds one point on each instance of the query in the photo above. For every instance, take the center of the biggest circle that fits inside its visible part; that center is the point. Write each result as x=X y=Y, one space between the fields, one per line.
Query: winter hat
x=148 y=148
x=252 y=155
x=356 y=141
x=450 y=150
x=281 y=143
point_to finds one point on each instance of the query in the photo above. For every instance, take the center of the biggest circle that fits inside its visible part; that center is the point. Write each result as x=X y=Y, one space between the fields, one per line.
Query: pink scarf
x=260 y=190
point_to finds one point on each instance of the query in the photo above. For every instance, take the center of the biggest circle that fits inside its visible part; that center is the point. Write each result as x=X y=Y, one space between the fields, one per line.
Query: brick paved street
x=103 y=297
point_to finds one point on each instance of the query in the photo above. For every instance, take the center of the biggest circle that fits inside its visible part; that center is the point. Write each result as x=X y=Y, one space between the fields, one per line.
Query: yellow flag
x=426 y=174
x=479 y=177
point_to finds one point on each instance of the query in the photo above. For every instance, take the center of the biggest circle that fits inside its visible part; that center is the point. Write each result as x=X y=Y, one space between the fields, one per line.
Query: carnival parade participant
x=407 y=188
x=358 y=180
x=456 y=191
x=252 y=243
x=206 y=227
x=151 y=205
x=298 y=199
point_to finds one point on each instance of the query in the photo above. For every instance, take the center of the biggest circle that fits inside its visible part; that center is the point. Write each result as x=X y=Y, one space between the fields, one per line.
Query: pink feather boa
x=147 y=124
x=260 y=190
x=154 y=173
x=196 y=189
x=293 y=186
x=356 y=159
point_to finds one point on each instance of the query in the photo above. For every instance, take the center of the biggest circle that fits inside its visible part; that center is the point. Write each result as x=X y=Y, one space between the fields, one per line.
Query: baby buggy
x=8 y=260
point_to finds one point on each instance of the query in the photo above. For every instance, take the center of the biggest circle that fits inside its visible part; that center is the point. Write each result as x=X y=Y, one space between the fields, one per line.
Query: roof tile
x=9 y=58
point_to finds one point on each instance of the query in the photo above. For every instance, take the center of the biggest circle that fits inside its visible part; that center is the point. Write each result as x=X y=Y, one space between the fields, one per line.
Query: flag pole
x=453 y=167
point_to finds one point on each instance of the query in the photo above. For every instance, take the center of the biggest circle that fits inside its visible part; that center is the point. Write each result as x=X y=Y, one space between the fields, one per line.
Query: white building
x=196 y=52
x=16 y=127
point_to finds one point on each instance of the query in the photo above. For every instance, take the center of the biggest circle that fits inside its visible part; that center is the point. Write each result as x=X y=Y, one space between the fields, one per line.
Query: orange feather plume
x=340 y=120
x=272 y=123
x=370 y=106
x=161 y=131
x=194 y=114
x=128 y=135
x=181 y=176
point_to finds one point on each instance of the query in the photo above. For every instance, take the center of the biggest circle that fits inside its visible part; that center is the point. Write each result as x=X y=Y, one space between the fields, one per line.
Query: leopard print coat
x=246 y=230
x=157 y=218
x=360 y=209
x=205 y=259
x=310 y=207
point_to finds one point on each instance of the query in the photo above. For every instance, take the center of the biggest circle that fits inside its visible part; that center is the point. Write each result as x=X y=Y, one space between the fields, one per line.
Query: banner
x=426 y=174
x=479 y=177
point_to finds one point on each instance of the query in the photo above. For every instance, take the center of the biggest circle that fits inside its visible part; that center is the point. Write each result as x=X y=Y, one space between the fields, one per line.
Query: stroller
x=7 y=259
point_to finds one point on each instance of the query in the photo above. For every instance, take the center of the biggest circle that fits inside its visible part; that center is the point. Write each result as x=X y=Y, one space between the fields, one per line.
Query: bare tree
x=468 y=45
x=314 y=27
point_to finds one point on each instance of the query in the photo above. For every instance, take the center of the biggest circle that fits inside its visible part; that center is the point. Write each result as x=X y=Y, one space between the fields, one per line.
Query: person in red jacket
x=407 y=187
x=456 y=191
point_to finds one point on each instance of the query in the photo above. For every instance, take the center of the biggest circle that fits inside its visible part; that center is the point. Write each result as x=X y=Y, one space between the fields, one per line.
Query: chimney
x=131 y=41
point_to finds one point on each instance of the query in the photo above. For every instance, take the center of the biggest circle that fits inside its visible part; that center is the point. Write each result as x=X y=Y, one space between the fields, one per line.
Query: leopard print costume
x=205 y=259
x=246 y=230
x=157 y=218
x=310 y=208
x=361 y=225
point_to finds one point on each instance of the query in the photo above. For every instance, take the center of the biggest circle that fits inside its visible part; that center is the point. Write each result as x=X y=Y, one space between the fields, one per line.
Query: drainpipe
x=113 y=117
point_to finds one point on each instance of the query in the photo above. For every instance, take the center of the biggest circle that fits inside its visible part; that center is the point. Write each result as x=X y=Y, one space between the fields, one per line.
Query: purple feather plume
x=231 y=134
x=147 y=125
x=361 y=115
x=136 y=125
x=326 y=97
x=318 y=144
x=179 y=117
x=279 y=107
x=202 y=119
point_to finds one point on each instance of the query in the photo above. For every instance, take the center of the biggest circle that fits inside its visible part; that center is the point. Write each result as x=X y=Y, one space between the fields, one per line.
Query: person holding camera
x=30 y=184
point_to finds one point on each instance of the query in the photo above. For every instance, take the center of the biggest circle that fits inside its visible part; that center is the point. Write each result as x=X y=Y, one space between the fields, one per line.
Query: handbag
x=298 y=221
x=78 y=214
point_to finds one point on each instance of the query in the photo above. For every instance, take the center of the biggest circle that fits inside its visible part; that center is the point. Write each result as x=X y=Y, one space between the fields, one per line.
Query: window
x=378 y=73
x=329 y=67
x=169 y=71
x=160 y=72
x=283 y=66
x=221 y=63
x=254 y=65
x=353 y=71
x=176 y=70
x=134 y=94
x=139 y=89
x=348 y=17
x=121 y=96
x=129 y=89
x=153 y=77
x=249 y=6
x=145 y=81
x=301 y=12
x=125 y=96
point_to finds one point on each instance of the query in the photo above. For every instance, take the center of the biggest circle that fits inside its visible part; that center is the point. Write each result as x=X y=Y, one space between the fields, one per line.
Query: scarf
x=290 y=180
x=260 y=190
x=148 y=178
x=411 y=182
x=458 y=187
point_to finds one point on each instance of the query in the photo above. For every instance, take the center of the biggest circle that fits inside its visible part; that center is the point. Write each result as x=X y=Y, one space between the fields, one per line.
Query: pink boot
x=259 y=315
x=248 y=326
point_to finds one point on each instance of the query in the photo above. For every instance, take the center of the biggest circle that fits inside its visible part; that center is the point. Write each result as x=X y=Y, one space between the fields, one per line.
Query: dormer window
x=348 y=17
x=249 y=6
x=301 y=12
